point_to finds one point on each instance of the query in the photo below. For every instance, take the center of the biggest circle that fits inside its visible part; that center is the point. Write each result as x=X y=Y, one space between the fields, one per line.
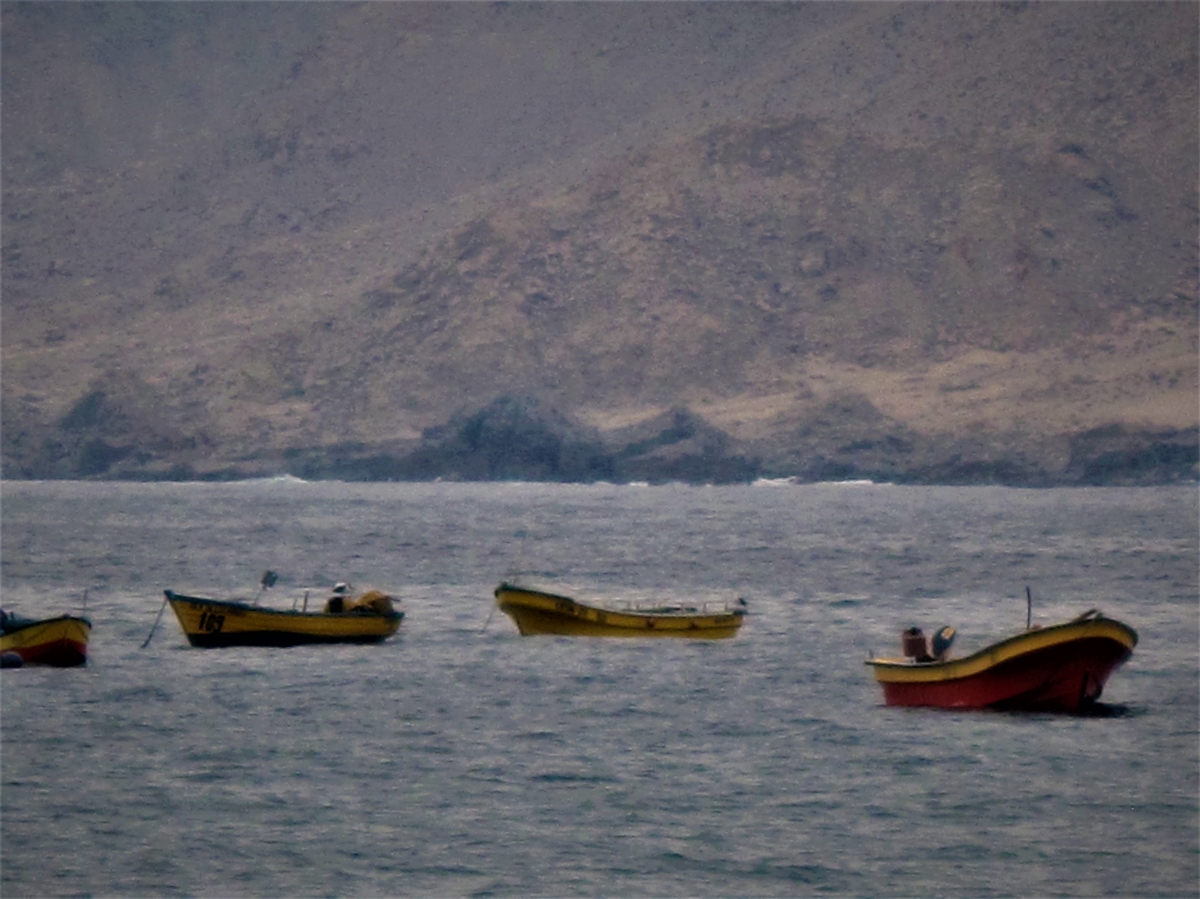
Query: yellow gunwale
x=510 y=598
x=906 y=671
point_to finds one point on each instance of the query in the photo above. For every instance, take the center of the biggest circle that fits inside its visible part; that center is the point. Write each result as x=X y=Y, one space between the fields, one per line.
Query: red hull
x=1057 y=679
x=59 y=653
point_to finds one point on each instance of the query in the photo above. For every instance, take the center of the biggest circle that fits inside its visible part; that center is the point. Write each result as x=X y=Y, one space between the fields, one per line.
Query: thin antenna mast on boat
x=514 y=572
x=1028 y=607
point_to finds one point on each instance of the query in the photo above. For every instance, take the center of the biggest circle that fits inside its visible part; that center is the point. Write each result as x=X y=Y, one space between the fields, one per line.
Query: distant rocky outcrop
x=523 y=438
x=1119 y=455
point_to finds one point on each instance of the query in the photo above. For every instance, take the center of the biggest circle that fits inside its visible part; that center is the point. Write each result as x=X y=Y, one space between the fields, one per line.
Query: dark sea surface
x=460 y=759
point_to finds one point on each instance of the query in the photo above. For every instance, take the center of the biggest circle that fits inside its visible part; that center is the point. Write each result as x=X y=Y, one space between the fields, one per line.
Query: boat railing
x=704 y=607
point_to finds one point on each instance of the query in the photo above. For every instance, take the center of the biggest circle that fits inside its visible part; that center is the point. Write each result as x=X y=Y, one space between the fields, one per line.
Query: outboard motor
x=941 y=642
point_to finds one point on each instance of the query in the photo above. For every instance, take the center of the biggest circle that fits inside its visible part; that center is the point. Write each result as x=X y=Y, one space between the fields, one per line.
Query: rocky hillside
x=926 y=243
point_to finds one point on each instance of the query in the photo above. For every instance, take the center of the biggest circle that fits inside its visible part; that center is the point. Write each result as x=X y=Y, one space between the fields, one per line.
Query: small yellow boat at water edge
x=539 y=612
x=61 y=641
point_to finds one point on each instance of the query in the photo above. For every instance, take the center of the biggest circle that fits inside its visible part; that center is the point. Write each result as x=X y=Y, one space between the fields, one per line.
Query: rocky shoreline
x=522 y=439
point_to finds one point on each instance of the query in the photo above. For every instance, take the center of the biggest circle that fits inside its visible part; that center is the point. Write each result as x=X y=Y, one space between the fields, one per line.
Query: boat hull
x=537 y=612
x=61 y=642
x=1063 y=668
x=213 y=623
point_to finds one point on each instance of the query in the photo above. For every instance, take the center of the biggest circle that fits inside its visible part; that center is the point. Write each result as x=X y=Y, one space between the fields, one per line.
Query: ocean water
x=460 y=759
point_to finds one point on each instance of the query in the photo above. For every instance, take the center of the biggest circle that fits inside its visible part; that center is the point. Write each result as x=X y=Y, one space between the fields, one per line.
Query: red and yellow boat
x=539 y=612
x=61 y=641
x=1059 y=668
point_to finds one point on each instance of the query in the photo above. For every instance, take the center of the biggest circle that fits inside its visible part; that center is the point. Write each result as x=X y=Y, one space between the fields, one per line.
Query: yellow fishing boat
x=538 y=612
x=368 y=618
x=61 y=641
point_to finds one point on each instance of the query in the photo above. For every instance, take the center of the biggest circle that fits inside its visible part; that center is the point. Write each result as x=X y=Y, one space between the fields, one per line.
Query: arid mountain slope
x=933 y=242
